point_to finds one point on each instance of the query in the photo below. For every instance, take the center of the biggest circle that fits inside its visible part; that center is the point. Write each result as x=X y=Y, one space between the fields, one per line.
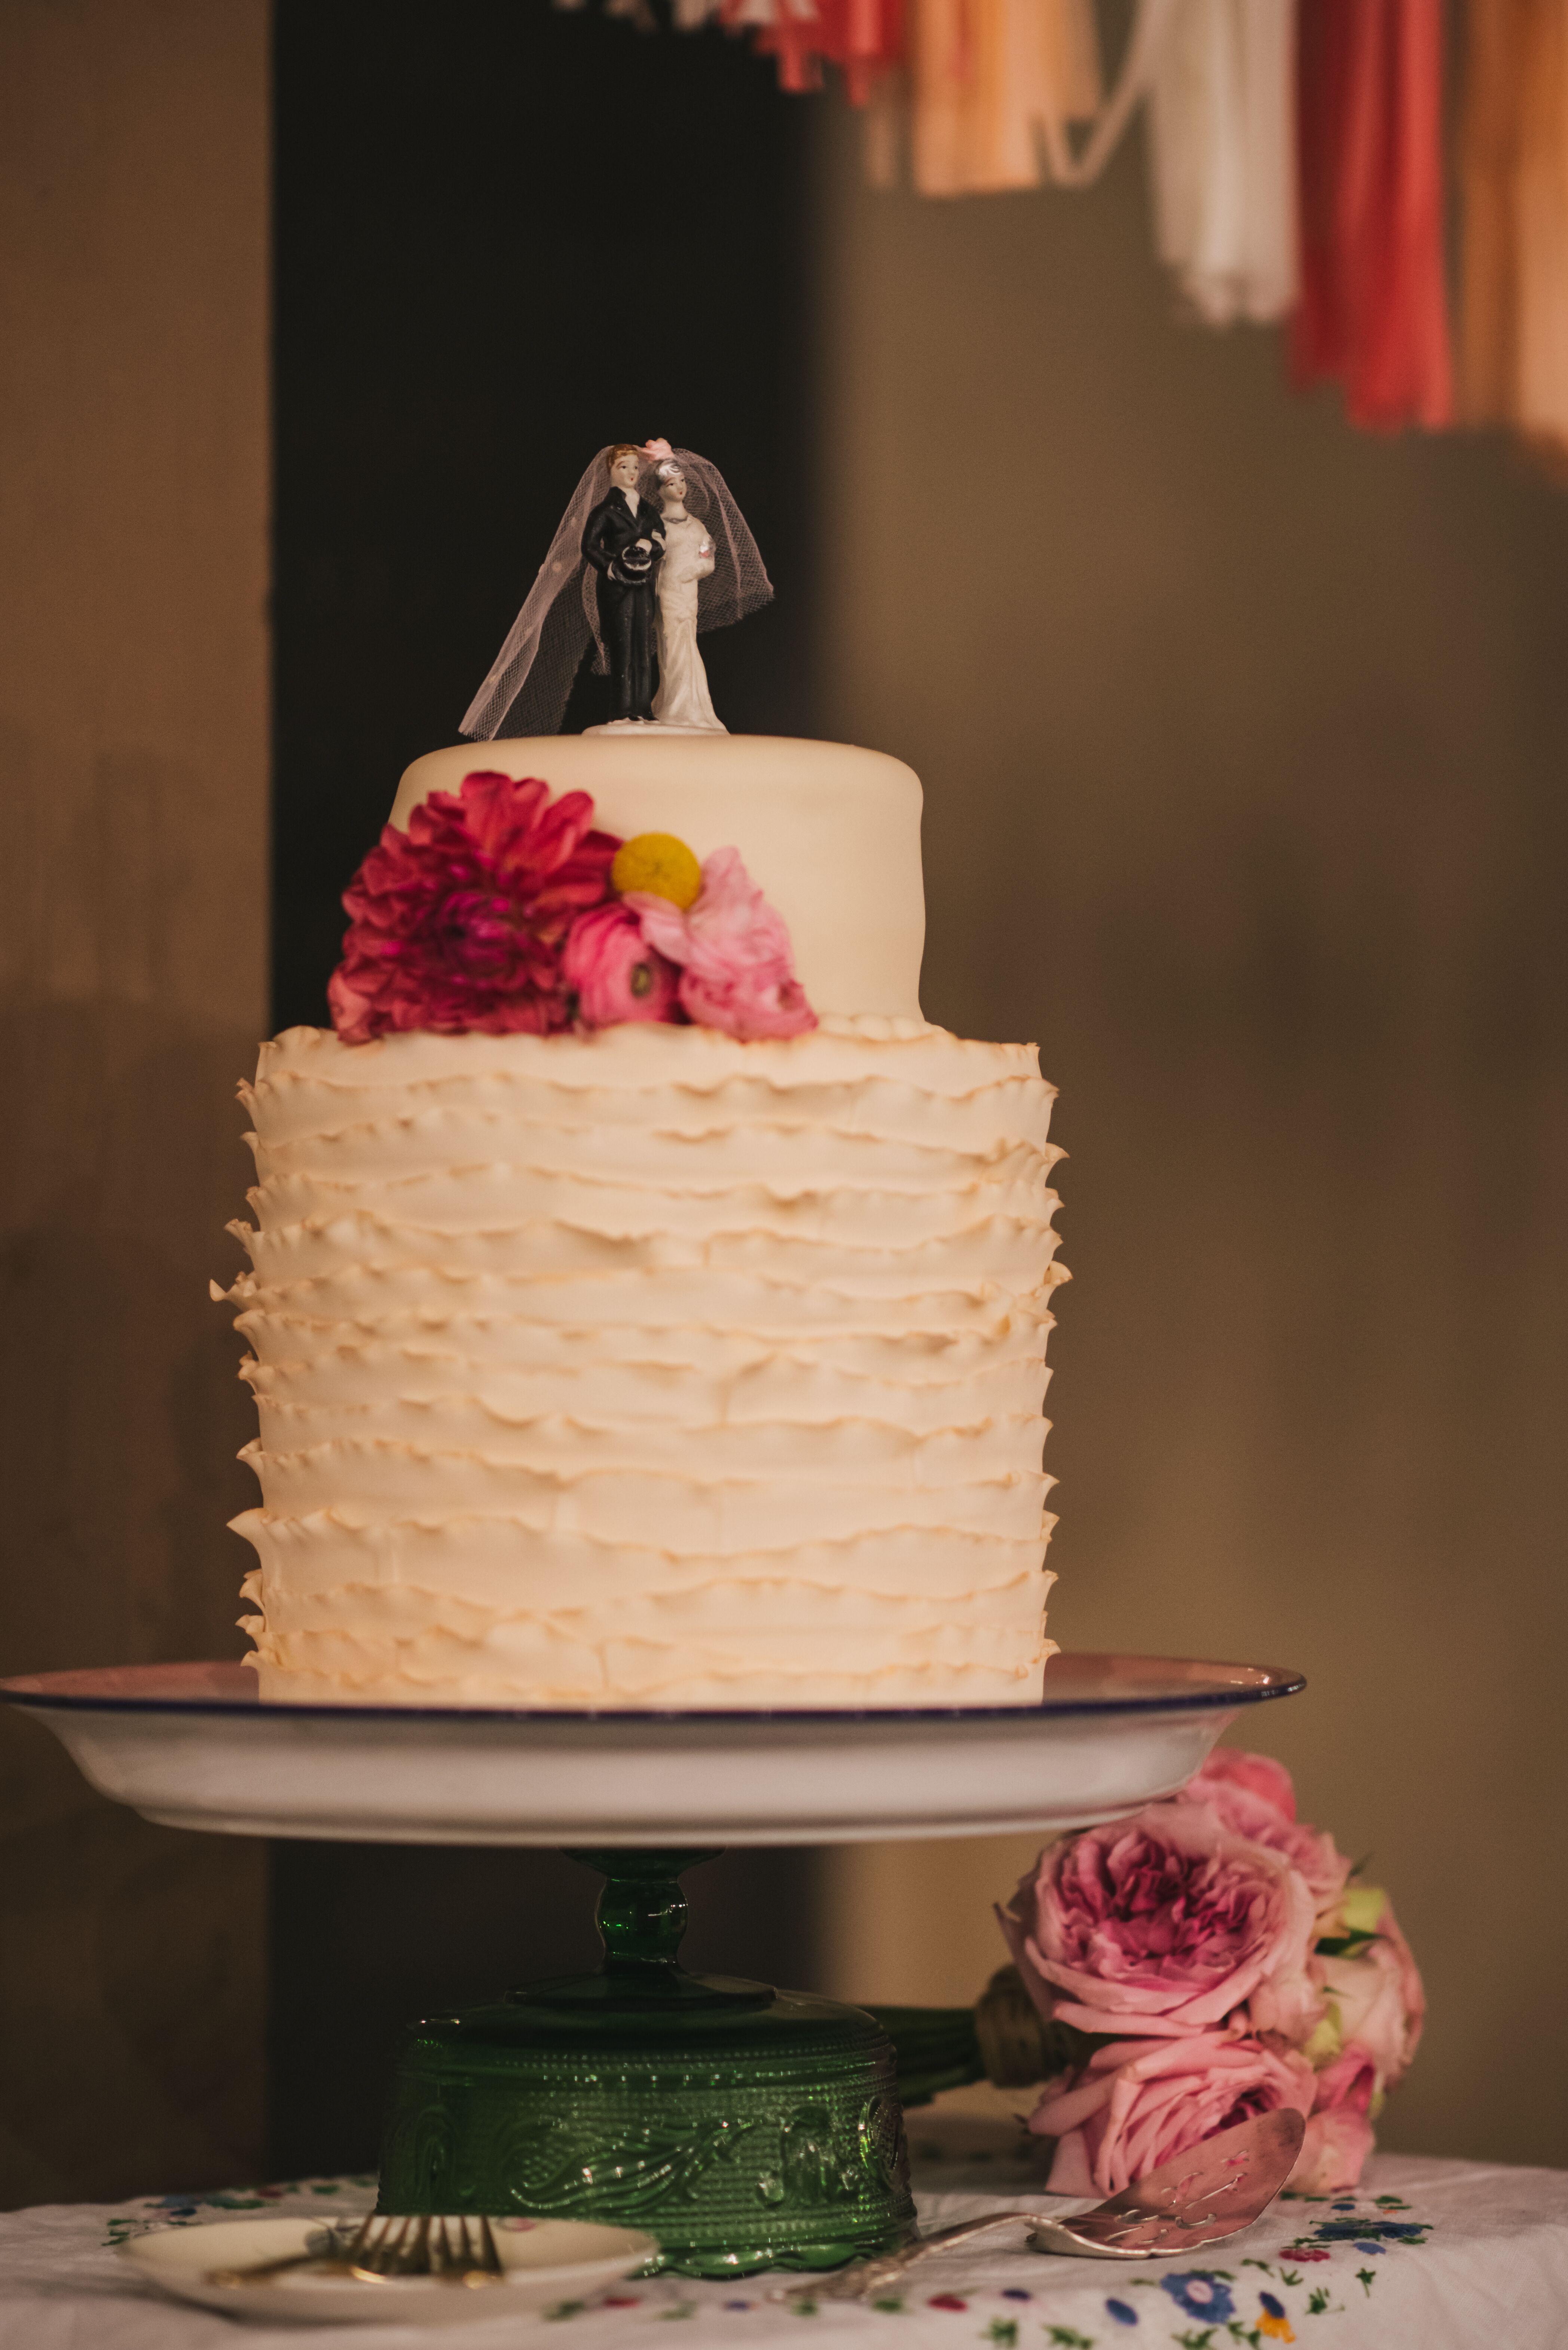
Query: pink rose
x=737 y=972
x=458 y=923
x=1332 y=2152
x=1373 y=2008
x=1375 y=2004
x=1260 y=1775
x=1253 y=1796
x=613 y=972
x=1339 y=2130
x=1137 y=2103
x=1163 y=1925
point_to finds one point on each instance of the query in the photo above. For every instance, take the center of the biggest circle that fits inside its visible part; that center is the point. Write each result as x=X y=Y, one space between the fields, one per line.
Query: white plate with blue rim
x=192 y=1746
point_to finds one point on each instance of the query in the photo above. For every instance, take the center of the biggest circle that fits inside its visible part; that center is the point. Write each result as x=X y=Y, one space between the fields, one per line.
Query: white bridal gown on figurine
x=682 y=699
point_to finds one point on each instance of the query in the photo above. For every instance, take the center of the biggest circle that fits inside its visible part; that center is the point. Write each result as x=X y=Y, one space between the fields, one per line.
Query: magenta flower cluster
x=495 y=910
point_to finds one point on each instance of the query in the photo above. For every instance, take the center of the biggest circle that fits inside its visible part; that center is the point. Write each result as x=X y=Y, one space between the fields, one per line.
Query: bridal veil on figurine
x=651 y=550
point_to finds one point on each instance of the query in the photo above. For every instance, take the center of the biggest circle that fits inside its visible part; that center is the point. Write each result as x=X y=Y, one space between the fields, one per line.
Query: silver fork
x=458 y=2247
x=1217 y=2188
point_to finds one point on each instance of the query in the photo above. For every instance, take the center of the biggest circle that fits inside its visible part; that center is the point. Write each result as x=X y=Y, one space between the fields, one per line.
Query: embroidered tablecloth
x=1428 y=2255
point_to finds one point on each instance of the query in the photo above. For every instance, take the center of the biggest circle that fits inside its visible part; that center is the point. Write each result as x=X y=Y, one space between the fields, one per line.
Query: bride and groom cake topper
x=651 y=550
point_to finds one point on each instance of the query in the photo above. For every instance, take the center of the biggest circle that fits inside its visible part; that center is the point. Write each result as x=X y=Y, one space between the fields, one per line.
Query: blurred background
x=1242 y=739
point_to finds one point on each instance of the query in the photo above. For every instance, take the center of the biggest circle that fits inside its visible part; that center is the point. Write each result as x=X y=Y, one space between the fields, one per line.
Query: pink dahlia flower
x=1137 y=2102
x=459 y=922
x=612 y=971
x=1253 y=1796
x=1162 y=1926
x=737 y=972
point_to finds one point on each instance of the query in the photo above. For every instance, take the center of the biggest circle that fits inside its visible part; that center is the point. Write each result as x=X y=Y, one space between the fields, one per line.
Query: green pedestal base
x=744 y=2128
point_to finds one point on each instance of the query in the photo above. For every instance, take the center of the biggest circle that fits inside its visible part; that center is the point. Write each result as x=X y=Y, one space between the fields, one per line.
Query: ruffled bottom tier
x=649 y=1368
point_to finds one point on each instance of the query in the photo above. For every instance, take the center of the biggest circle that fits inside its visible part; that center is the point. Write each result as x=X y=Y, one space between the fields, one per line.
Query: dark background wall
x=133 y=779
x=504 y=237
x=1245 y=743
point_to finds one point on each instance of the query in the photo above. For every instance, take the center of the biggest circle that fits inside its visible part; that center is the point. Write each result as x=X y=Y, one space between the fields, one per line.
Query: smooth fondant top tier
x=830 y=834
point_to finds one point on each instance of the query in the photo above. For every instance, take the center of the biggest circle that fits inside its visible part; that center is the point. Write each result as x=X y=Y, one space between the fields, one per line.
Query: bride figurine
x=712 y=573
x=682 y=699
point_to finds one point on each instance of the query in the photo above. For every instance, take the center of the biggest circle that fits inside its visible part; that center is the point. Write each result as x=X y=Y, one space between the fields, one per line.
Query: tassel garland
x=1513 y=347
x=1296 y=165
x=1373 y=313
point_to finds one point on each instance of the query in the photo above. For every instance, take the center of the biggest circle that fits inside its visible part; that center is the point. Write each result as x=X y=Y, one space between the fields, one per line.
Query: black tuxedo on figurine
x=531 y=679
x=626 y=589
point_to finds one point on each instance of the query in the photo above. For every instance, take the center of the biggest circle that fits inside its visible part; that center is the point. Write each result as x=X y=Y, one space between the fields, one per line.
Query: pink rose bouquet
x=497 y=909
x=1217 y=1961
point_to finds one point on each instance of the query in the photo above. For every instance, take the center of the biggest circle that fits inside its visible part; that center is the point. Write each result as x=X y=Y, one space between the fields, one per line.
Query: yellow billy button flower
x=658 y=864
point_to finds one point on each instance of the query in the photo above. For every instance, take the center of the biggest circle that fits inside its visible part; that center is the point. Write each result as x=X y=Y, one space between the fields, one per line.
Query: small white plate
x=547 y=2261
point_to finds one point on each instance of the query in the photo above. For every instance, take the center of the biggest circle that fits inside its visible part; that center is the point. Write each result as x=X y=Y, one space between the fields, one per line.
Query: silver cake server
x=1212 y=2192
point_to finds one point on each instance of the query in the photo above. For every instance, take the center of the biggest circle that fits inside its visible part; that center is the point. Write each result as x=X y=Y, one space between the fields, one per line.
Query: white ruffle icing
x=650 y=1367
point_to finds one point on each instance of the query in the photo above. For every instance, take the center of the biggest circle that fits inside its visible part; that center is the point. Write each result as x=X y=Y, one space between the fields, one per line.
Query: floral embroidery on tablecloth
x=1257 y=2302
x=151 y=2212
x=1201 y=2294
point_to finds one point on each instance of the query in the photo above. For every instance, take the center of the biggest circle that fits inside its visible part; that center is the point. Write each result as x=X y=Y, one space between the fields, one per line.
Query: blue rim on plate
x=1188 y=1686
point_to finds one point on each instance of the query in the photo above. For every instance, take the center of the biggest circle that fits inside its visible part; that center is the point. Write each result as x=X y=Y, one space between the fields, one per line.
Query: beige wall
x=133 y=479
x=1243 y=744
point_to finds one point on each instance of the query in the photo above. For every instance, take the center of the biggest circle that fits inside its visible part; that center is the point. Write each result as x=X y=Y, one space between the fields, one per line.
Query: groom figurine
x=623 y=538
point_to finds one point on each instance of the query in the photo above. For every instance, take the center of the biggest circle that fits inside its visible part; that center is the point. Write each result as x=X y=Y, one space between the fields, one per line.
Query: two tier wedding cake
x=647 y=1306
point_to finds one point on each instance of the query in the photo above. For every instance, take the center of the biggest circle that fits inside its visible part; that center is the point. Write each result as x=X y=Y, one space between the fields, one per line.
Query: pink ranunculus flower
x=1253 y=1795
x=737 y=972
x=1375 y=2003
x=1164 y=1925
x=458 y=923
x=614 y=974
x=1137 y=2102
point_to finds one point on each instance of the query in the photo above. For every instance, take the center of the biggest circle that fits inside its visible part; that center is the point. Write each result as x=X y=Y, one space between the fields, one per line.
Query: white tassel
x=1222 y=150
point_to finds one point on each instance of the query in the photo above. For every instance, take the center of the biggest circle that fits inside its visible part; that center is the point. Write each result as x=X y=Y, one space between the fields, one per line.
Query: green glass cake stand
x=742 y=2126
x=746 y=2127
